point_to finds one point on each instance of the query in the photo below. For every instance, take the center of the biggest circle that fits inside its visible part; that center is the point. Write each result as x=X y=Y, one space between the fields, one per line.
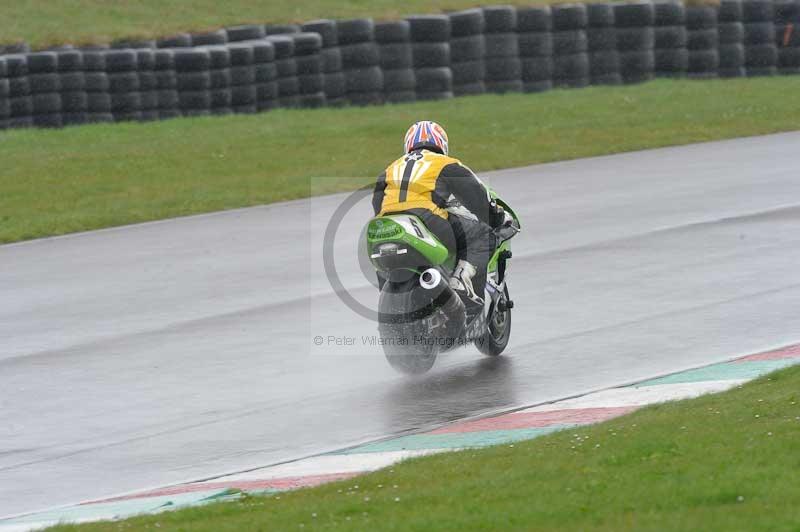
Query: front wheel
x=498 y=330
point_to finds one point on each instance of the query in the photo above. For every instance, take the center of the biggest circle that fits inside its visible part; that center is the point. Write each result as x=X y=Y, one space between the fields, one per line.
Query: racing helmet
x=426 y=135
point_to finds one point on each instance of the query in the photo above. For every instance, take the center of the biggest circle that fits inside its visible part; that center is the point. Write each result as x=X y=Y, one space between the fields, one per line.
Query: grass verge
x=720 y=462
x=47 y=22
x=60 y=181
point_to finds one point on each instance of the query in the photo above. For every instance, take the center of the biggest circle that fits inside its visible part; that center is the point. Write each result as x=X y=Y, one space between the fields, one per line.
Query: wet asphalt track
x=157 y=353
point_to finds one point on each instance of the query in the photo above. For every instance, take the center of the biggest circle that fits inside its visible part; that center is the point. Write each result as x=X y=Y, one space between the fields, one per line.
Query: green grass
x=728 y=461
x=49 y=22
x=59 y=181
x=46 y=22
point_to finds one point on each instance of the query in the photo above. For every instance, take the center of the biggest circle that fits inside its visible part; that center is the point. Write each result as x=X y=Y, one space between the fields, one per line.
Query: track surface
x=157 y=353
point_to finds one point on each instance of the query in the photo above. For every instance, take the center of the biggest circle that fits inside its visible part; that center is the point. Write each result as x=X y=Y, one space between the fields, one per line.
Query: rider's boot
x=461 y=282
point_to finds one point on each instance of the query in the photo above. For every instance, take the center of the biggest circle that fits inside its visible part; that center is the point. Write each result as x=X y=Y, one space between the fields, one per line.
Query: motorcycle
x=419 y=315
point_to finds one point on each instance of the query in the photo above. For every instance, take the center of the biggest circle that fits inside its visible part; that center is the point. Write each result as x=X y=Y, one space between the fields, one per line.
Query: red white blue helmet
x=426 y=135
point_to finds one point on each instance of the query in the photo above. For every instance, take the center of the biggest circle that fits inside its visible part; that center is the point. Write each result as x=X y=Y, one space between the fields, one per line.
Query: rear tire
x=409 y=363
x=498 y=331
x=400 y=328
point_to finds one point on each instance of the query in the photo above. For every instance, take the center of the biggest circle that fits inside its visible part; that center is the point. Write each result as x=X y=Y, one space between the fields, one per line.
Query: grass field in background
x=60 y=181
x=47 y=22
x=720 y=462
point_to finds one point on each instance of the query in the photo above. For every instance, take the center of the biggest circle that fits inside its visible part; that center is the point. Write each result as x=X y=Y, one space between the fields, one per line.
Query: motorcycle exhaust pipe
x=430 y=279
x=446 y=299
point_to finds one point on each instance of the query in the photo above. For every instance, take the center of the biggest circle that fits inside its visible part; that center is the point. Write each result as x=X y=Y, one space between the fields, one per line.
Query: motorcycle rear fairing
x=402 y=241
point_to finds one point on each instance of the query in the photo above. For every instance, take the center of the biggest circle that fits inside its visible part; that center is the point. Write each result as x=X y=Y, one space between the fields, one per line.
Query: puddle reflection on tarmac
x=450 y=394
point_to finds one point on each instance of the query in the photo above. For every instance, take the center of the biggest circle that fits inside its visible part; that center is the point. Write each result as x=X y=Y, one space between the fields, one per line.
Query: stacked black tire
x=243 y=77
x=123 y=81
x=247 y=32
x=166 y=84
x=503 y=65
x=760 y=52
x=267 y=72
x=535 y=38
x=467 y=52
x=132 y=44
x=95 y=80
x=334 y=84
x=310 y=79
x=180 y=40
x=670 y=40
x=731 y=36
x=74 y=102
x=570 y=45
x=221 y=100
x=396 y=61
x=5 y=98
x=5 y=107
x=210 y=38
x=602 y=43
x=635 y=41
x=281 y=29
x=787 y=36
x=45 y=85
x=148 y=85
x=701 y=23
x=19 y=91
x=360 y=61
x=430 y=50
x=192 y=73
x=15 y=48
x=286 y=66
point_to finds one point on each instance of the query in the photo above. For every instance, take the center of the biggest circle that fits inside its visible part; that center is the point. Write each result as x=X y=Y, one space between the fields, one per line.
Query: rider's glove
x=498 y=216
x=501 y=218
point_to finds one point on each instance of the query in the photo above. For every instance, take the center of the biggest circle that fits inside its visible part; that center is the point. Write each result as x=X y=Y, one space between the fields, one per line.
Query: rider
x=421 y=182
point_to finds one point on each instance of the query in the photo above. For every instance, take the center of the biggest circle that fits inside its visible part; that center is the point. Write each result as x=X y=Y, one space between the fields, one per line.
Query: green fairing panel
x=410 y=230
x=496 y=257
x=505 y=245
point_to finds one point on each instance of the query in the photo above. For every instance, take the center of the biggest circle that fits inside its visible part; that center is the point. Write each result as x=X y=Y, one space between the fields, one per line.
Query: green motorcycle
x=420 y=316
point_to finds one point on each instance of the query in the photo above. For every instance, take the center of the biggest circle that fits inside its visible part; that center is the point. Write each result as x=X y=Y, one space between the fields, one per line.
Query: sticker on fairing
x=414 y=226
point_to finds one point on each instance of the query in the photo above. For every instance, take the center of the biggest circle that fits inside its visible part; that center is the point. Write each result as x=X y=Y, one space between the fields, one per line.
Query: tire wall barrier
x=502 y=60
x=635 y=40
x=731 y=38
x=703 y=42
x=44 y=81
x=430 y=54
x=19 y=106
x=148 y=89
x=570 y=46
x=671 y=57
x=310 y=76
x=535 y=40
x=498 y=49
x=288 y=84
x=760 y=51
x=98 y=99
x=122 y=71
x=468 y=51
x=602 y=43
x=333 y=81
x=396 y=61
x=360 y=61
